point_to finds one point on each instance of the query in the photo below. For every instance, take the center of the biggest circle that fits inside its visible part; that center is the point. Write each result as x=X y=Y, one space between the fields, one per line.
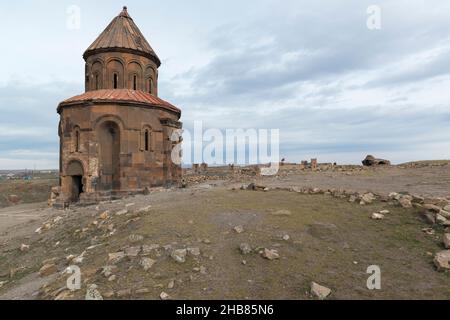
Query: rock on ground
x=447 y=241
x=132 y=251
x=377 y=216
x=147 y=263
x=270 y=254
x=164 y=296
x=239 y=229
x=245 y=248
x=440 y=219
x=92 y=293
x=442 y=260
x=193 y=251
x=134 y=238
x=116 y=257
x=368 y=197
x=179 y=255
x=405 y=202
x=319 y=291
x=48 y=270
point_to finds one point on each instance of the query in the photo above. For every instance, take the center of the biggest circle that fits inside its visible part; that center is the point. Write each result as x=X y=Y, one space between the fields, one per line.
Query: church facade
x=116 y=139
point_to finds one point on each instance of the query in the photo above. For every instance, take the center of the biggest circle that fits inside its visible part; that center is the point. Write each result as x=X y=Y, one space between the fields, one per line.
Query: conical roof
x=122 y=34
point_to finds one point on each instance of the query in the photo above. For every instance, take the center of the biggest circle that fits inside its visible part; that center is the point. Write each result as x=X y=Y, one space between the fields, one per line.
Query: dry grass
x=327 y=237
x=27 y=191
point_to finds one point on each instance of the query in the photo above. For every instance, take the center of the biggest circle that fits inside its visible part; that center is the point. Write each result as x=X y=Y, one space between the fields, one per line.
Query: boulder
x=394 y=195
x=405 y=202
x=164 y=296
x=104 y=215
x=107 y=271
x=432 y=207
x=132 y=251
x=368 y=197
x=147 y=263
x=429 y=217
x=442 y=260
x=377 y=216
x=445 y=214
x=319 y=291
x=270 y=254
x=134 y=238
x=193 y=251
x=123 y=293
x=255 y=187
x=245 y=248
x=122 y=212
x=48 y=269
x=116 y=257
x=179 y=255
x=418 y=199
x=147 y=249
x=440 y=219
x=92 y=293
x=142 y=291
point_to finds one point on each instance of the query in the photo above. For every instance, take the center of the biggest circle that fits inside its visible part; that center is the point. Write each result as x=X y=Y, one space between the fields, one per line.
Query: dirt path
x=20 y=220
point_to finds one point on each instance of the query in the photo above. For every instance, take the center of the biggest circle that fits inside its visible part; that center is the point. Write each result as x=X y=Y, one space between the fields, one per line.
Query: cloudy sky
x=336 y=89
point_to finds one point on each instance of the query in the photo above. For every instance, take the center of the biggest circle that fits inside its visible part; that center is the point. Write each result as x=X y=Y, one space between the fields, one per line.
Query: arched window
x=134 y=82
x=115 y=81
x=96 y=81
x=147 y=140
x=77 y=141
x=150 y=85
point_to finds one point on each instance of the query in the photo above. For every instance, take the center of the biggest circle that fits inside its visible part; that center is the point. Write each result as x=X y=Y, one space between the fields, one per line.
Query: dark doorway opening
x=77 y=188
x=75 y=172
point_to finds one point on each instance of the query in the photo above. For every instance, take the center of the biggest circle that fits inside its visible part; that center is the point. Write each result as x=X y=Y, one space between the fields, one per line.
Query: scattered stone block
x=319 y=291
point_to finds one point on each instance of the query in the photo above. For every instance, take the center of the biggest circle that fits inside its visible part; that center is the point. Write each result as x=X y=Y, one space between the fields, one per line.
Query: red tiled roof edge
x=119 y=95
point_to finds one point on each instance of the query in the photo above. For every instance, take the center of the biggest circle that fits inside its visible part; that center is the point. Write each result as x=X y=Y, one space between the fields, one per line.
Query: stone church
x=116 y=138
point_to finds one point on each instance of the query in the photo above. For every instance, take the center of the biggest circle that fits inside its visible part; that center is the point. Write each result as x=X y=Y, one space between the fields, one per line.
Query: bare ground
x=331 y=241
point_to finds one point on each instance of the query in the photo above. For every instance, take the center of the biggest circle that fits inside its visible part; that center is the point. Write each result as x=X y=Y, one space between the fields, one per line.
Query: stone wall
x=134 y=165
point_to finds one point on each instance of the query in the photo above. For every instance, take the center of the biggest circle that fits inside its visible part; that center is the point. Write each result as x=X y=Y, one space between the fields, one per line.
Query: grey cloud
x=29 y=122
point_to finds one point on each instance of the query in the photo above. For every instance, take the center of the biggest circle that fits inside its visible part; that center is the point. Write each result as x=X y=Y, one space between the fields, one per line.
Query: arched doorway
x=109 y=142
x=75 y=172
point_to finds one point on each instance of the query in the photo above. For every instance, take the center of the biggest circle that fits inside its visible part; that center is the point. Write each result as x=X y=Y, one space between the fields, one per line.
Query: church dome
x=122 y=35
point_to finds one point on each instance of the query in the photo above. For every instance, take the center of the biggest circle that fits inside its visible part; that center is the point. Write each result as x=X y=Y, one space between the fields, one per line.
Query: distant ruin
x=371 y=161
